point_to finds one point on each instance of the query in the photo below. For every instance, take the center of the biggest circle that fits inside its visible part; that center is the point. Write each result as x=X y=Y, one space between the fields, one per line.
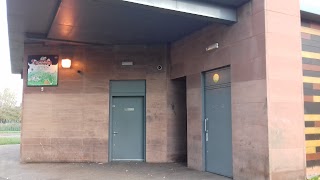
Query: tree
x=9 y=111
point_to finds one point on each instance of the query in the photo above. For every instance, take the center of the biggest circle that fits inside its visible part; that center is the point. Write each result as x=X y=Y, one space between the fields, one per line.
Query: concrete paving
x=11 y=168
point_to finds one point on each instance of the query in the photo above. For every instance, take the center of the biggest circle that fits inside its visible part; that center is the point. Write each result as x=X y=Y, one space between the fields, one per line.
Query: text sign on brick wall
x=42 y=70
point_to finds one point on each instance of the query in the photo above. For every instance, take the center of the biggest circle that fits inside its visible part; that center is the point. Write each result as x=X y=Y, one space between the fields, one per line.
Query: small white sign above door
x=128 y=109
x=127 y=63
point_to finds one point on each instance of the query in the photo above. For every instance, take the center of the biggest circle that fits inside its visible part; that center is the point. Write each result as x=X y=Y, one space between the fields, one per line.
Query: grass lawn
x=11 y=132
x=315 y=178
x=9 y=140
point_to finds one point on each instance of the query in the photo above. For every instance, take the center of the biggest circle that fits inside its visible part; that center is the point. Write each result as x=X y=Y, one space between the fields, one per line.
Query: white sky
x=311 y=5
x=8 y=80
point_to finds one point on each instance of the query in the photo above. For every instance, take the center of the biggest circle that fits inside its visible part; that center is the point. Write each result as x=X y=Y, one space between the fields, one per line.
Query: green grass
x=10 y=132
x=9 y=140
x=315 y=178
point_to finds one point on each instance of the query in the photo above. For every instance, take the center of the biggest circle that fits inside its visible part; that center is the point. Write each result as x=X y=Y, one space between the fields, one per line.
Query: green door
x=127 y=129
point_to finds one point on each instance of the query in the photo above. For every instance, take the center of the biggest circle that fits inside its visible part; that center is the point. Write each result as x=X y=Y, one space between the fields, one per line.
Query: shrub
x=10 y=126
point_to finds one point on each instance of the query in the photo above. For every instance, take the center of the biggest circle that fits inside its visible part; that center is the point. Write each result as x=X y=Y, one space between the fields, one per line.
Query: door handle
x=205 y=124
x=115 y=132
x=205 y=129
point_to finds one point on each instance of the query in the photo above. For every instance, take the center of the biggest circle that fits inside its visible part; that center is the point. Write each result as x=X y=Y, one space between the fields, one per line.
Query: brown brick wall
x=70 y=122
x=242 y=46
x=194 y=116
x=177 y=121
x=263 y=50
x=284 y=90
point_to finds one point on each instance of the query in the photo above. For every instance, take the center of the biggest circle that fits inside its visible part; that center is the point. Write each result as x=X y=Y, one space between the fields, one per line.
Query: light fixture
x=66 y=63
x=212 y=47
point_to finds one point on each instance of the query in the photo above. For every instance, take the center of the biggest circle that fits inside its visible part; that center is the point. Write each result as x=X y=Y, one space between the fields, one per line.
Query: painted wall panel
x=311 y=83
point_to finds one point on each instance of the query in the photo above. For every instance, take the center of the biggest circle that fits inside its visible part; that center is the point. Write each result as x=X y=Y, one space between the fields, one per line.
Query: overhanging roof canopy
x=107 y=22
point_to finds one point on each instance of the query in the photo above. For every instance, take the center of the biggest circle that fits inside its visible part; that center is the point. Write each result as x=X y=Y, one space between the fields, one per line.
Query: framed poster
x=42 y=70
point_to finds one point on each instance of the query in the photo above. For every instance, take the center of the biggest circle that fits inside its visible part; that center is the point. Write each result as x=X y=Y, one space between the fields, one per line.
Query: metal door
x=218 y=128
x=127 y=129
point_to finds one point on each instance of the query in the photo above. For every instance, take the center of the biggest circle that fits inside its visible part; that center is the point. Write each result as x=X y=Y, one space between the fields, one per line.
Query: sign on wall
x=42 y=70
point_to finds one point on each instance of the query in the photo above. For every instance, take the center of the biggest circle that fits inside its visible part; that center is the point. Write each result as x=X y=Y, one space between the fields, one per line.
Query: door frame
x=203 y=97
x=113 y=94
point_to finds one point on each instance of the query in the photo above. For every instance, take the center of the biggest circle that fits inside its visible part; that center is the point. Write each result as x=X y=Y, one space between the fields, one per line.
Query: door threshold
x=138 y=160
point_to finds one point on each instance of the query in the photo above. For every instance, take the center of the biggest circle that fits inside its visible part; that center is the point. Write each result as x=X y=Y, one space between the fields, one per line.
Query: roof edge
x=310 y=16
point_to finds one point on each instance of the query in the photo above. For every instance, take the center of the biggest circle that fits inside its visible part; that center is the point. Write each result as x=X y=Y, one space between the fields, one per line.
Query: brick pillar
x=267 y=96
x=284 y=89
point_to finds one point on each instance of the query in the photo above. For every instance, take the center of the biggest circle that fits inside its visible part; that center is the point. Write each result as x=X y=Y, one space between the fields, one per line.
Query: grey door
x=127 y=129
x=218 y=128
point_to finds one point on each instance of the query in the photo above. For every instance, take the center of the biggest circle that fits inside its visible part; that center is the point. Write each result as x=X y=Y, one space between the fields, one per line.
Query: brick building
x=216 y=83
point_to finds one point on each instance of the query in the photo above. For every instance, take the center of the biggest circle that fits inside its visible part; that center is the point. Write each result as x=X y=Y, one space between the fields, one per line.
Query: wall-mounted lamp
x=212 y=47
x=66 y=63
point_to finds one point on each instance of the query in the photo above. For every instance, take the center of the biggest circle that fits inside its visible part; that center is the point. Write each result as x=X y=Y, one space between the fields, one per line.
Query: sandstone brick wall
x=177 y=121
x=242 y=46
x=70 y=122
x=263 y=50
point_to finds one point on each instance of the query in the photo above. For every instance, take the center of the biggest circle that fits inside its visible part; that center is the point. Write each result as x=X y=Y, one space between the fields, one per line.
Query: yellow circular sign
x=216 y=78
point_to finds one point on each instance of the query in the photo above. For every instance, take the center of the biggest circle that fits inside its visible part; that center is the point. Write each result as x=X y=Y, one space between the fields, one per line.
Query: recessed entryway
x=127 y=121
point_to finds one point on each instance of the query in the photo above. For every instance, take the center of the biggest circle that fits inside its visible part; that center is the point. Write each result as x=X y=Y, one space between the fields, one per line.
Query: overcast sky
x=311 y=5
x=14 y=82
x=6 y=78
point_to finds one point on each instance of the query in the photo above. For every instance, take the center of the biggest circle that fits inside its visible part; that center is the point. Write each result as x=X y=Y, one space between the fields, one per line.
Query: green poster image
x=42 y=70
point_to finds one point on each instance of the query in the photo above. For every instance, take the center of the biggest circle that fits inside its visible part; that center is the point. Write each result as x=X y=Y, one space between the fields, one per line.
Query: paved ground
x=10 y=168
